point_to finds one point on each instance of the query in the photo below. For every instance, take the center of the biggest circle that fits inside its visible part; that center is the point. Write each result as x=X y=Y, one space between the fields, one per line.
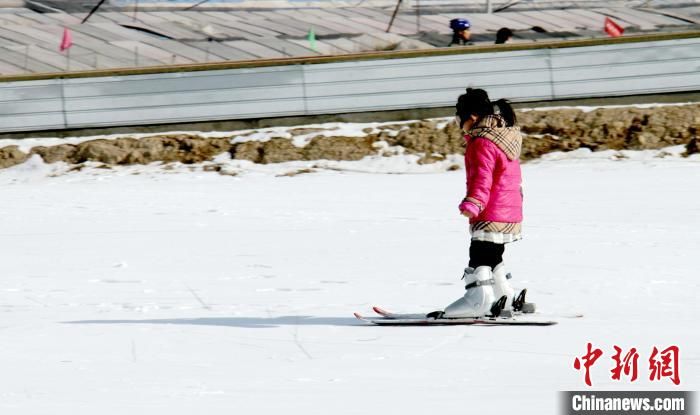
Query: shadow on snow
x=247 y=322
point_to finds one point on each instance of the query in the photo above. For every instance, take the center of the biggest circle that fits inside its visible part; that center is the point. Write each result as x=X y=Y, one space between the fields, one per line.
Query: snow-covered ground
x=140 y=290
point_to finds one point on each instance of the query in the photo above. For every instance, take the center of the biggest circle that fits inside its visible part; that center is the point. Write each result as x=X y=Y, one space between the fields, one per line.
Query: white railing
x=350 y=86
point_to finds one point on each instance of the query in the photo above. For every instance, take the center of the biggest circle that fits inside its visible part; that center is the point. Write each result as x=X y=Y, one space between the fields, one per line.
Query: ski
x=391 y=315
x=388 y=314
x=422 y=320
x=416 y=321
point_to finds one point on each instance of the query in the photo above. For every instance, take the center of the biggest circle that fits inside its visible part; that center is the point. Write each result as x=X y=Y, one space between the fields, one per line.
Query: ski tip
x=380 y=311
x=358 y=316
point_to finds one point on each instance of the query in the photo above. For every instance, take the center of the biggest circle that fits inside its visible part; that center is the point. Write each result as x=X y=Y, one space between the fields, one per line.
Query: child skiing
x=493 y=202
x=494 y=206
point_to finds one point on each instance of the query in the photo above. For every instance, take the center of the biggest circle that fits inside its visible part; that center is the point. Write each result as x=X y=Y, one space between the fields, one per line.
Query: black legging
x=485 y=253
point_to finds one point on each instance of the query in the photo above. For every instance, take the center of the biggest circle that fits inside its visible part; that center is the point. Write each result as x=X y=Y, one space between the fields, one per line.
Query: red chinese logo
x=626 y=365
x=588 y=360
x=663 y=364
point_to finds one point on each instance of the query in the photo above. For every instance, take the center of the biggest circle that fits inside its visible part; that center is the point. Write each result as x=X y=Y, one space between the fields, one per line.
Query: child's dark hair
x=476 y=101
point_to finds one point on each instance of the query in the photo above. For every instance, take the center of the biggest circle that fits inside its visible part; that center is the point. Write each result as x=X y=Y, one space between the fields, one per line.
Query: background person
x=460 y=31
x=504 y=35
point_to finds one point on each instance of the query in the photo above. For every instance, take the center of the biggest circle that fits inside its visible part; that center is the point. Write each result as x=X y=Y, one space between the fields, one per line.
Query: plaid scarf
x=508 y=139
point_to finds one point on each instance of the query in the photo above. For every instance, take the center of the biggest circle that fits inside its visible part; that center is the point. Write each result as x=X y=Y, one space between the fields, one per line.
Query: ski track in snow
x=135 y=289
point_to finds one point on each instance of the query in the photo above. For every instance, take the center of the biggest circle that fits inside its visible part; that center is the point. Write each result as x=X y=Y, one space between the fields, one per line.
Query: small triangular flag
x=613 y=29
x=312 y=39
x=67 y=40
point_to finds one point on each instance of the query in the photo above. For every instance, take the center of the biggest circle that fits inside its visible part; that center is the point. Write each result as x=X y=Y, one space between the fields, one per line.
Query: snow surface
x=331 y=129
x=589 y=108
x=142 y=290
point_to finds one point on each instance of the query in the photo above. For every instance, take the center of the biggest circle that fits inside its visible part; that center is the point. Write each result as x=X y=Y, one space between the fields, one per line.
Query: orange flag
x=613 y=29
x=67 y=40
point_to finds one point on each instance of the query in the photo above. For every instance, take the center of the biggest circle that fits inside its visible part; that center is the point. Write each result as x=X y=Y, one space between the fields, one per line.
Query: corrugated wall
x=368 y=85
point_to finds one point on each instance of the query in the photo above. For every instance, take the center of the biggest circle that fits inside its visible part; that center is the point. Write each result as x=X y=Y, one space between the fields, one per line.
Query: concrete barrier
x=373 y=82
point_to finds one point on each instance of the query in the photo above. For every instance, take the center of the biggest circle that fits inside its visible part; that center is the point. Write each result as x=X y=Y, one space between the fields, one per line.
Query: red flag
x=613 y=29
x=67 y=40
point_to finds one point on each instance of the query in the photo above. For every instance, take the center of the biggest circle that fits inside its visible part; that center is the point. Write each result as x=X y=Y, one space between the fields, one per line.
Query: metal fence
x=350 y=86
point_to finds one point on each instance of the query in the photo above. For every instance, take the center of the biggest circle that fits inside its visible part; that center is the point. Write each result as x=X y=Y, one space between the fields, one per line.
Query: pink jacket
x=494 y=179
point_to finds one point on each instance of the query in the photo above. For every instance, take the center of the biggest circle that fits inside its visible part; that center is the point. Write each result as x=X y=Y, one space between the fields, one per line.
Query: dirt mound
x=10 y=156
x=183 y=148
x=281 y=149
x=607 y=128
x=544 y=131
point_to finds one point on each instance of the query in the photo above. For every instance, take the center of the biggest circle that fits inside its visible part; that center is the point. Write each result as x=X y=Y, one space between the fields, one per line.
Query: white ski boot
x=479 y=297
x=502 y=287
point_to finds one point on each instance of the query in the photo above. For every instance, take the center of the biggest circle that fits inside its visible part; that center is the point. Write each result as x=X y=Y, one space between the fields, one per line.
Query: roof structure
x=113 y=38
x=73 y=6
